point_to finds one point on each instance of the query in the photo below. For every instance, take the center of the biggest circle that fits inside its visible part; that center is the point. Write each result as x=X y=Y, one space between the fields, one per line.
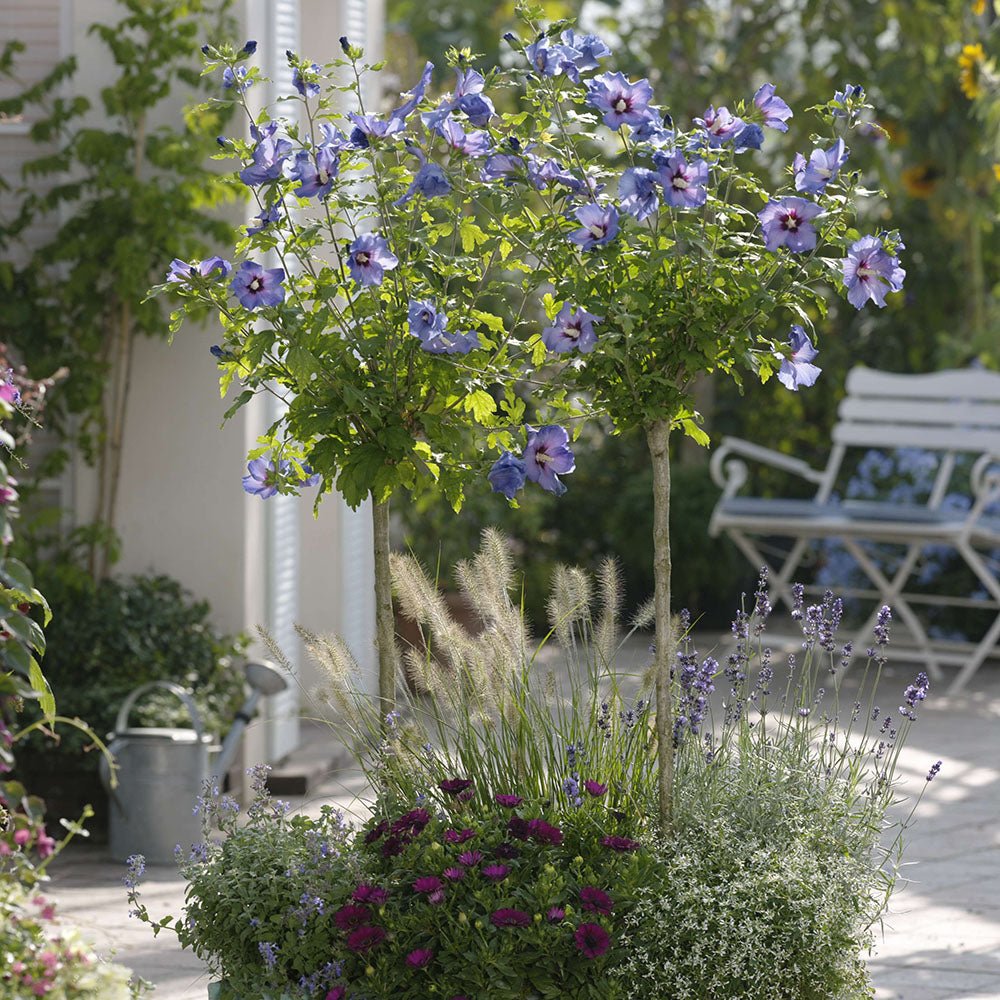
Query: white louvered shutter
x=283 y=511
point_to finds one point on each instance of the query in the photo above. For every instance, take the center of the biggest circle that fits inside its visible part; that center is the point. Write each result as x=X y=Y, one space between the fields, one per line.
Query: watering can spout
x=264 y=678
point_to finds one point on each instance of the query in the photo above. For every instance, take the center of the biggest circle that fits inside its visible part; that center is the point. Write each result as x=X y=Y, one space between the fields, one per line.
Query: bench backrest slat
x=944 y=411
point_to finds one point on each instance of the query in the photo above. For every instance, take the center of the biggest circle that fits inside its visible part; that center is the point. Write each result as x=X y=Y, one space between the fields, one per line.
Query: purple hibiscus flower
x=721 y=125
x=618 y=100
x=315 y=174
x=370 y=126
x=500 y=166
x=236 y=79
x=306 y=87
x=796 y=369
x=870 y=271
x=571 y=332
x=425 y=321
x=813 y=175
x=262 y=478
x=684 y=183
x=181 y=271
x=368 y=258
x=545 y=173
x=656 y=129
x=430 y=179
x=751 y=136
x=600 y=225
x=638 y=192
x=265 y=218
x=548 y=456
x=788 y=222
x=470 y=99
x=584 y=51
x=552 y=60
x=269 y=155
x=775 y=111
x=466 y=143
x=255 y=286
x=507 y=476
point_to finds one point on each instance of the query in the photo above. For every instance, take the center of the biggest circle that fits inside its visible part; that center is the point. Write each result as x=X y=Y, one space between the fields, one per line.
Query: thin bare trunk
x=658 y=439
x=385 y=624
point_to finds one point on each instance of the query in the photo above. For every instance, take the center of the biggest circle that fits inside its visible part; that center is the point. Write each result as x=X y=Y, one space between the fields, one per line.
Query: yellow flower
x=978 y=7
x=996 y=171
x=971 y=61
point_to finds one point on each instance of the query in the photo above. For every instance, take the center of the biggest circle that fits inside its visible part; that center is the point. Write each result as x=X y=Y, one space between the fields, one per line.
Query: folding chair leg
x=976 y=563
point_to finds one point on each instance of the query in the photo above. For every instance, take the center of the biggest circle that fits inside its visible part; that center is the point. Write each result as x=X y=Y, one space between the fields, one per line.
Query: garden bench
x=953 y=414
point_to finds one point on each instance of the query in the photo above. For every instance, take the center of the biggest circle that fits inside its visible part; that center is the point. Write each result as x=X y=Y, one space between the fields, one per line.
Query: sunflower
x=971 y=61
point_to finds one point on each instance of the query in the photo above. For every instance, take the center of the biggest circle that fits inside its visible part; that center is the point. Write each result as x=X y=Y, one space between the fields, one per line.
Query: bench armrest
x=729 y=473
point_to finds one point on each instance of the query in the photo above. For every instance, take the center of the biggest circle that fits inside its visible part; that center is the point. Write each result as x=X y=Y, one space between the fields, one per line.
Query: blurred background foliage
x=930 y=70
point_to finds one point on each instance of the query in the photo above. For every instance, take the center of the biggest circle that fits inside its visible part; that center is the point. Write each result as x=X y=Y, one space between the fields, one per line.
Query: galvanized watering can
x=162 y=771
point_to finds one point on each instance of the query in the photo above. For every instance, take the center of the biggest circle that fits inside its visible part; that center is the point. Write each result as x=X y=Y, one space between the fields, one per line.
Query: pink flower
x=544 y=832
x=592 y=940
x=419 y=958
x=495 y=873
x=363 y=939
x=22 y=837
x=372 y=894
x=595 y=788
x=427 y=883
x=458 y=836
x=621 y=843
x=510 y=801
x=596 y=901
x=470 y=858
x=454 y=874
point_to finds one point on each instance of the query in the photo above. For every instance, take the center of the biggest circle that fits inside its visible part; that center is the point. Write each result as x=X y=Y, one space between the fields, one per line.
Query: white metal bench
x=955 y=415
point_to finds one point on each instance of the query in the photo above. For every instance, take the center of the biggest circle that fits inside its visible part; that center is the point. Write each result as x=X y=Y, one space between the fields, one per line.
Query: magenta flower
x=600 y=226
x=509 y=918
x=796 y=369
x=255 y=286
x=720 y=125
x=369 y=257
x=813 y=175
x=364 y=939
x=337 y=993
x=548 y=456
x=427 y=884
x=509 y=801
x=495 y=873
x=870 y=271
x=412 y=822
x=458 y=836
x=470 y=858
x=595 y=788
x=775 y=111
x=454 y=874
x=594 y=900
x=618 y=100
x=518 y=828
x=454 y=786
x=544 y=832
x=350 y=916
x=684 y=184
x=555 y=914
x=372 y=894
x=788 y=223
x=571 y=332
x=623 y=844
x=592 y=940
x=377 y=831
x=419 y=958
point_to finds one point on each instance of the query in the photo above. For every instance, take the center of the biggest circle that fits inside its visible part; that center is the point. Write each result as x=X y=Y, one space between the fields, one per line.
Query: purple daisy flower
x=684 y=184
x=470 y=858
x=255 y=286
x=638 y=192
x=453 y=786
x=375 y=895
x=600 y=226
x=594 y=900
x=813 y=175
x=427 y=884
x=623 y=844
x=369 y=257
x=796 y=369
x=571 y=332
x=592 y=940
x=595 y=788
x=546 y=457
x=454 y=874
x=788 y=223
x=495 y=873
x=509 y=801
x=870 y=271
x=554 y=914
x=620 y=102
x=539 y=830
x=509 y=918
x=350 y=916
x=419 y=958
x=775 y=111
x=507 y=476
x=458 y=836
x=364 y=939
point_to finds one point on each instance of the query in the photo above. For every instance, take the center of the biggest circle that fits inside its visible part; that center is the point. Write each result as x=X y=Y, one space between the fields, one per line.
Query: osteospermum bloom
x=495 y=873
x=453 y=786
x=684 y=183
x=470 y=858
x=797 y=369
x=428 y=884
x=509 y=918
x=870 y=271
x=595 y=900
x=813 y=175
x=571 y=331
x=364 y=939
x=507 y=476
x=544 y=833
x=509 y=801
x=623 y=844
x=595 y=788
x=638 y=192
x=458 y=836
x=600 y=225
x=368 y=258
x=546 y=457
x=620 y=102
x=351 y=915
x=775 y=111
x=419 y=958
x=255 y=286
x=592 y=940
x=787 y=222
x=373 y=894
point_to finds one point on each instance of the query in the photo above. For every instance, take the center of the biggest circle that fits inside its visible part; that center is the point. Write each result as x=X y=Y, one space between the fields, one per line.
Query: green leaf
x=472 y=235
x=302 y=363
x=695 y=432
x=46 y=699
x=481 y=405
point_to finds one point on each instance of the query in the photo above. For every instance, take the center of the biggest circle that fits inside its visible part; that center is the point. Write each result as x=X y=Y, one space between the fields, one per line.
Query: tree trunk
x=658 y=439
x=385 y=626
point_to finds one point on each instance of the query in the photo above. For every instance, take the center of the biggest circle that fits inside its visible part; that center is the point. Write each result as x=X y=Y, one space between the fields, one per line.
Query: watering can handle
x=121 y=723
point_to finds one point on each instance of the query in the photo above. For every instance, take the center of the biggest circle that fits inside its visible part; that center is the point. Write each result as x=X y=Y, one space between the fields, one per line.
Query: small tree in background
x=132 y=196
